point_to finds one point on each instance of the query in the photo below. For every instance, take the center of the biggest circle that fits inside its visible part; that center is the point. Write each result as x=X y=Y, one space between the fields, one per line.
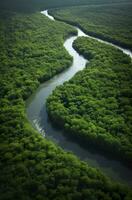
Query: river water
x=37 y=115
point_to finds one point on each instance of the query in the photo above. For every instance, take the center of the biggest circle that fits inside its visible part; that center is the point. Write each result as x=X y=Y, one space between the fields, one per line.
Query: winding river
x=37 y=115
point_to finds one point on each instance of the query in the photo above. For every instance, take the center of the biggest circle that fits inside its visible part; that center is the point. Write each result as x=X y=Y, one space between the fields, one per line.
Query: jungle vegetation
x=112 y=23
x=95 y=106
x=31 y=167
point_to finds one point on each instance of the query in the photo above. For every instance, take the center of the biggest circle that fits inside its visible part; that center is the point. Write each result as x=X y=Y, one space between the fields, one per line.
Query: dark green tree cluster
x=33 y=168
x=95 y=106
x=109 y=22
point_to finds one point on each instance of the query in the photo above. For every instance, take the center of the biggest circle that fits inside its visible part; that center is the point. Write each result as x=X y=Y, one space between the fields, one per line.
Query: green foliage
x=36 y=169
x=31 y=167
x=95 y=106
x=28 y=53
x=110 y=22
x=35 y=5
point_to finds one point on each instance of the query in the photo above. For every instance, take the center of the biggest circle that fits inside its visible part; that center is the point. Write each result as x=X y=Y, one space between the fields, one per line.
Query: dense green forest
x=110 y=22
x=35 y=5
x=31 y=167
x=95 y=106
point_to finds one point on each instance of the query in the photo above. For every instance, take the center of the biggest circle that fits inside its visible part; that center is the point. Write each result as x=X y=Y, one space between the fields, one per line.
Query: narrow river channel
x=37 y=115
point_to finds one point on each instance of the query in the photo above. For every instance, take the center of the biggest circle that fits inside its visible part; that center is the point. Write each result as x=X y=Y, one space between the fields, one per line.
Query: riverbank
x=32 y=167
x=38 y=100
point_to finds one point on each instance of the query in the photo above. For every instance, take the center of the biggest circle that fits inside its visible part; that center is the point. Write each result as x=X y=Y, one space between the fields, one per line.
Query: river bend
x=37 y=115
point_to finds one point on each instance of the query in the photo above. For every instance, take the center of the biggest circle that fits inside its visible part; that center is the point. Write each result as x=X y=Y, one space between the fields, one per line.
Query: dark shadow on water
x=113 y=168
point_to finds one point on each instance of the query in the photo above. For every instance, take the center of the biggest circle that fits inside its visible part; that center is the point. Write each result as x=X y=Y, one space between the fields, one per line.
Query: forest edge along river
x=38 y=117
